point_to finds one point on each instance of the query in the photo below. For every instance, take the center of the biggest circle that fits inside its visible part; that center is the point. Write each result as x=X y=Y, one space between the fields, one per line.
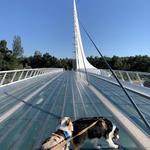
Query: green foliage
x=7 y=60
x=17 y=47
x=3 y=46
x=132 y=63
x=46 y=61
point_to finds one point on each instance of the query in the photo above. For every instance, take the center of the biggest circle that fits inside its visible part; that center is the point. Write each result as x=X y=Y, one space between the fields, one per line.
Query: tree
x=37 y=61
x=116 y=63
x=17 y=47
x=47 y=60
x=5 y=55
x=3 y=46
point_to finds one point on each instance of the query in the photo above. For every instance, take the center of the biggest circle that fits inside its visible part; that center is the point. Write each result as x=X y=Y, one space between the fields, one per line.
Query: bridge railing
x=7 y=77
x=139 y=78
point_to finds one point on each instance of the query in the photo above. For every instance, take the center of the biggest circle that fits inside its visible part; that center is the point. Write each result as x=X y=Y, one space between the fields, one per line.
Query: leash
x=64 y=142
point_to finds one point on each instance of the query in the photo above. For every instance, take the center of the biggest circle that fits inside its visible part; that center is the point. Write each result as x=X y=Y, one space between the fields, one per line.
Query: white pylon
x=81 y=61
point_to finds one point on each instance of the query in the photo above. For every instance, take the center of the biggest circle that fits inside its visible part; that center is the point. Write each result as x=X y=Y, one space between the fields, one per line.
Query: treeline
x=132 y=63
x=14 y=59
x=39 y=60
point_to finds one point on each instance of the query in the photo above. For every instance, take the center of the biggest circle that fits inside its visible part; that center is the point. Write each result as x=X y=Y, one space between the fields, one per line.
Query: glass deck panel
x=65 y=96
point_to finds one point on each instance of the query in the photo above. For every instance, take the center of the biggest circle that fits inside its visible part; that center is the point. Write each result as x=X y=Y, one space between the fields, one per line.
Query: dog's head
x=111 y=131
x=66 y=124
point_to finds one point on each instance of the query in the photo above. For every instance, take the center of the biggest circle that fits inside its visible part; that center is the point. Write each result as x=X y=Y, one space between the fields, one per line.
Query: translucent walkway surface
x=116 y=95
x=66 y=95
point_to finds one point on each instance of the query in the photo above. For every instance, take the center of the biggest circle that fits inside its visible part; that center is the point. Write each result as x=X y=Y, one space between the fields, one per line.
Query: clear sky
x=119 y=27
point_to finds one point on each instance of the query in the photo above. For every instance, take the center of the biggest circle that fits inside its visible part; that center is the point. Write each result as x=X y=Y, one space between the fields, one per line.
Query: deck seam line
x=7 y=114
x=81 y=99
x=37 y=144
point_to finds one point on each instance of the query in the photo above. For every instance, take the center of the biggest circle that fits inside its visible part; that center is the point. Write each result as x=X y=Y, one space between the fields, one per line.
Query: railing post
x=129 y=77
x=121 y=75
x=115 y=74
x=31 y=73
x=38 y=72
x=2 y=81
x=42 y=71
x=13 y=77
x=35 y=73
x=139 y=79
x=21 y=75
x=26 y=74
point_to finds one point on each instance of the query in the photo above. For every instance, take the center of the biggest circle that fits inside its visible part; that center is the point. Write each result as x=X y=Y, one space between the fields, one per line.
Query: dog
x=63 y=132
x=103 y=128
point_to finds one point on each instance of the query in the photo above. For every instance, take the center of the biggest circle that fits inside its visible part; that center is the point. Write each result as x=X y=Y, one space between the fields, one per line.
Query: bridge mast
x=81 y=61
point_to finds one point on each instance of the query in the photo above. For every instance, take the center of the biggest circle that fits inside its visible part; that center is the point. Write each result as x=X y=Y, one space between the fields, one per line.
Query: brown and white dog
x=64 y=131
x=103 y=128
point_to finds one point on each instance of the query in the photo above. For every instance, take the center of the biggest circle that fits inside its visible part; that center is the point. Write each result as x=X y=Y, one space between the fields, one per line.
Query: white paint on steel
x=29 y=73
x=80 y=56
x=24 y=79
x=3 y=79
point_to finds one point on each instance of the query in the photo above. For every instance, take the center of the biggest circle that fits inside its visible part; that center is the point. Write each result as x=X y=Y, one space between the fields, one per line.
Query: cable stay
x=120 y=84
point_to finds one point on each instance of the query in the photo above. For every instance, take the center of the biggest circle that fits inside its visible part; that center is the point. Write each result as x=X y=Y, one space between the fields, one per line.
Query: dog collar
x=67 y=135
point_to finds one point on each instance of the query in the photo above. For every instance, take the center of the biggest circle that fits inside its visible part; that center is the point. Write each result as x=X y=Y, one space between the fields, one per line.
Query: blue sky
x=119 y=27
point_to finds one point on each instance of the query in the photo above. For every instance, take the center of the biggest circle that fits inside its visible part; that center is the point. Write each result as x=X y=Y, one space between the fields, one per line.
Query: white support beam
x=26 y=74
x=2 y=81
x=13 y=77
x=21 y=75
x=81 y=61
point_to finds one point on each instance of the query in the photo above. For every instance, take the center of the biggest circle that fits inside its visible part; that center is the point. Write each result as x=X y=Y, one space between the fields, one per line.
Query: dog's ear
x=60 y=120
x=103 y=124
x=67 y=122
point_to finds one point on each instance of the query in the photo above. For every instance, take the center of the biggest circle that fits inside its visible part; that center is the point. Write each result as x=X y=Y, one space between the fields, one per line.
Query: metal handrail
x=28 y=69
x=134 y=77
x=144 y=73
x=10 y=76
